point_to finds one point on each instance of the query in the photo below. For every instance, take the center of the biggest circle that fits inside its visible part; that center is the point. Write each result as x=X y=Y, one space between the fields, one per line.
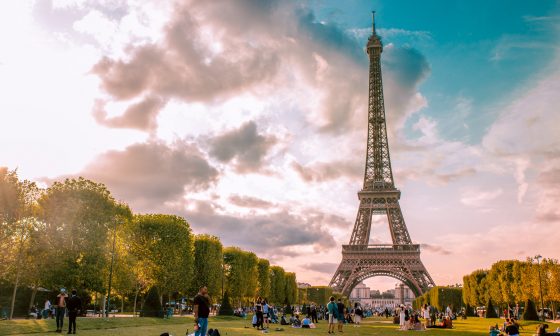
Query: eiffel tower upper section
x=379 y=186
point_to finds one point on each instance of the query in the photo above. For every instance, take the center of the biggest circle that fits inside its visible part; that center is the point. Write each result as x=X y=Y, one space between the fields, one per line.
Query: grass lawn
x=232 y=326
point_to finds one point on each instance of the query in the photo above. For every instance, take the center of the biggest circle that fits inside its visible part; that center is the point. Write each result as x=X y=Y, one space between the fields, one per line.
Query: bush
x=530 y=312
x=225 y=308
x=490 y=311
x=152 y=305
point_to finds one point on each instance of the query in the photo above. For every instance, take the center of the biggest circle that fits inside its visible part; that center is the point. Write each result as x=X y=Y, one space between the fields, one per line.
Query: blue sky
x=248 y=118
x=480 y=51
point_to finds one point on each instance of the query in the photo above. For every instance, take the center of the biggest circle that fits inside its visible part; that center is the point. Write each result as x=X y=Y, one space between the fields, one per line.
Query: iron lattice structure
x=360 y=260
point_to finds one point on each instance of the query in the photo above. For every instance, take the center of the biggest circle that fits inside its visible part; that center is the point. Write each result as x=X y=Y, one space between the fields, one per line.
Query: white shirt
x=47 y=305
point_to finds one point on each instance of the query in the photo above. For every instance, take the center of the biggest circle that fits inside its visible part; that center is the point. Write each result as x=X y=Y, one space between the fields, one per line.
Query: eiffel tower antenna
x=379 y=196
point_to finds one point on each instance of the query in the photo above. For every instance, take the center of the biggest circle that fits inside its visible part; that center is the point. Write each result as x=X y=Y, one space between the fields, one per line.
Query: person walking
x=332 y=310
x=60 y=309
x=201 y=310
x=74 y=307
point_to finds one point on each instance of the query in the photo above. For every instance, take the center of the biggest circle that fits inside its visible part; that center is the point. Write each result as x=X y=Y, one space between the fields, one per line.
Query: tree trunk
x=16 y=283
x=33 y=294
x=135 y=300
x=103 y=304
x=14 y=294
x=122 y=304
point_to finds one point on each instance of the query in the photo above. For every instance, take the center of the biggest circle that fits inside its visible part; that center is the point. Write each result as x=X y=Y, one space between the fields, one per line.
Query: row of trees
x=440 y=297
x=511 y=282
x=65 y=235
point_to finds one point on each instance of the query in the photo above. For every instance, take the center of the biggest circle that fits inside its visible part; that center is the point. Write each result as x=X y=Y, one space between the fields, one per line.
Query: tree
x=291 y=287
x=319 y=294
x=277 y=285
x=225 y=307
x=490 y=310
x=163 y=246
x=208 y=268
x=530 y=312
x=18 y=224
x=79 y=214
x=152 y=305
x=241 y=273
x=263 y=279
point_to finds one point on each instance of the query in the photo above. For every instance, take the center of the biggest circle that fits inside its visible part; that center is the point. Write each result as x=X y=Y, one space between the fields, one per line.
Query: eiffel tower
x=360 y=260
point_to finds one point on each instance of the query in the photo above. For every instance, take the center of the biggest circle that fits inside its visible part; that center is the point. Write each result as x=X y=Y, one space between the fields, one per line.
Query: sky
x=248 y=118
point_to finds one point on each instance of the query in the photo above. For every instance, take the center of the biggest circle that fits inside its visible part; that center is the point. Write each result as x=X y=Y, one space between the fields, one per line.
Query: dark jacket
x=74 y=303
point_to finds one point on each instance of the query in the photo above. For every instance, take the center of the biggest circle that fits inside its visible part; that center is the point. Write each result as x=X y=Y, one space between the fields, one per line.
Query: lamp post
x=111 y=270
x=538 y=258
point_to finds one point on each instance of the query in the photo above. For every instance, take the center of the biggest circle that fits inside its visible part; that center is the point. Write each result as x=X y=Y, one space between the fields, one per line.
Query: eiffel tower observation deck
x=379 y=196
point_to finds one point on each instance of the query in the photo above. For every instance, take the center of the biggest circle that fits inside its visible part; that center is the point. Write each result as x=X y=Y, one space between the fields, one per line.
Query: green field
x=232 y=326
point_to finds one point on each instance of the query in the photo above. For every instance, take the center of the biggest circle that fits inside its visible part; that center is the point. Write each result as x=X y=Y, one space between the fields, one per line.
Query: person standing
x=402 y=318
x=74 y=307
x=426 y=315
x=266 y=312
x=340 y=307
x=332 y=310
x=201 y=311
x=314 y=313
x=358 y=314
x=60 y=309
x=259 y=314
x=46 y=309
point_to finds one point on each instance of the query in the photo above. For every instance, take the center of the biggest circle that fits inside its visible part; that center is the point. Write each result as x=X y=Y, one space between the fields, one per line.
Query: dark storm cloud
x=244 y=147
x=147 y=174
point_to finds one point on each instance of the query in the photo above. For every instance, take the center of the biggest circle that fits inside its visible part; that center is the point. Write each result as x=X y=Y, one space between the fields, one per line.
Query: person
x=201 y=311
x=46 y=309
x=306 y=322
x=402 y=316
x=332 y=309
x=74 y=306
x=254 y=321
x=358 y=314
x=314 y=313
x=494 y=331
x=60 y=309
x=512 y=329
x=426 y=315
x=266 y=312
x=259 y=313
x=449 y=312
x=340 y=314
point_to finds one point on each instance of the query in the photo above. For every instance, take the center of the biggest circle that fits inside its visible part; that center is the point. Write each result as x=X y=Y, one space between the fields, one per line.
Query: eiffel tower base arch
x=401 y=262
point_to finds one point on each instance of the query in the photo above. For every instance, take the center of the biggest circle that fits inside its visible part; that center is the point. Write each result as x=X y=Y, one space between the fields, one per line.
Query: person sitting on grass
x=306 y=322
x=494 y=331
x=296 y=323
x=283 y=320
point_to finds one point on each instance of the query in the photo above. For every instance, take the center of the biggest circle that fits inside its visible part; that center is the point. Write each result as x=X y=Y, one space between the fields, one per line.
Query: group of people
x=65 y=304
x=338 y=314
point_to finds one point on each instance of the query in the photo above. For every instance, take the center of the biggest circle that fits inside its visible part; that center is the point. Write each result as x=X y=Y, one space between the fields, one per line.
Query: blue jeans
x=60 y=312
x=203 y=329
